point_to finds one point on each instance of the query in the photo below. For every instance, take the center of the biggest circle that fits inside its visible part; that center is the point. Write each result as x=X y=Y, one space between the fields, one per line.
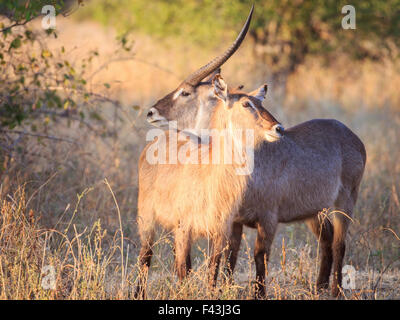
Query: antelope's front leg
x=144 y=260
x=217 y=247
x=234 y=246
x=265 y=235
x=146 y=229
x=182 y=251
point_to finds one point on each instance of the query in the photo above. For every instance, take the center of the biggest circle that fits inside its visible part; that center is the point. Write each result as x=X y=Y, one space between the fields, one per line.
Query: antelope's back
x=323 y=133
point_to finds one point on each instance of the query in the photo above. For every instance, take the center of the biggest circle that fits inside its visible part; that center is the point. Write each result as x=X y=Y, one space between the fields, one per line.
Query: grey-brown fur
x=316 y=165
x=196 y=200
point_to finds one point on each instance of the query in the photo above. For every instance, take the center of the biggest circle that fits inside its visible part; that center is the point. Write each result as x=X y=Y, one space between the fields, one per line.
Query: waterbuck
x=201 y=197
x=297 y=173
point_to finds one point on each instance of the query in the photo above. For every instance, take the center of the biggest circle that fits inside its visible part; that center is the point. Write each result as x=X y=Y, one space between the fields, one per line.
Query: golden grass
x=89 y=264
x=57 y=209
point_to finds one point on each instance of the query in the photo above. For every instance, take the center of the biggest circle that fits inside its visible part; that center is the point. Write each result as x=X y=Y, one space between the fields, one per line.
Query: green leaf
x=16 y=43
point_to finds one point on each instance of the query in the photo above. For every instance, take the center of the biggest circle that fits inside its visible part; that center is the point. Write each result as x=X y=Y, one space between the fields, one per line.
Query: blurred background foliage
x=43 y=91
x=36 y=82
x=284 y=32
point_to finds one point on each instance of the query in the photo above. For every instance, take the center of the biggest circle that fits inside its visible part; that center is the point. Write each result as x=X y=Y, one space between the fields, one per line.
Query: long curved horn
x=214 y=64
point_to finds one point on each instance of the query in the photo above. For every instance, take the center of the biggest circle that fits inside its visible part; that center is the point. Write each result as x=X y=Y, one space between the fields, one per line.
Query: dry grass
x=91 y=264
x=57 y=210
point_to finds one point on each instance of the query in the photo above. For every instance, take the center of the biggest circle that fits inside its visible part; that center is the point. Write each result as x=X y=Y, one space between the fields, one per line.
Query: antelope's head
x=245 y=111
x=191 y=103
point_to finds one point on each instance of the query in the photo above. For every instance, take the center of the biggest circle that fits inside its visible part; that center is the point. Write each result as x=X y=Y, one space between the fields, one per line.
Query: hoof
x=260 y=293
x=139 y=294
x=322 y=286
x=336 y=293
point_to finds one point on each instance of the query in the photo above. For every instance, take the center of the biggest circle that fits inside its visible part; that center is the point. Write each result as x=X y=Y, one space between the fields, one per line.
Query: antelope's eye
x=185 y=93
x=246 y=104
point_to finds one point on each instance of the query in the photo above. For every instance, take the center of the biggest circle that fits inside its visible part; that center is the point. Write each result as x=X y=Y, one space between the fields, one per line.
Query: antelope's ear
x=220 y=87
x=212 y=75
x=260 y=93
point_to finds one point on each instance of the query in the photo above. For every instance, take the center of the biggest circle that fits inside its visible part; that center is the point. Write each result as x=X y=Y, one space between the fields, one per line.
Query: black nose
x=279 y=129
x=150 y=113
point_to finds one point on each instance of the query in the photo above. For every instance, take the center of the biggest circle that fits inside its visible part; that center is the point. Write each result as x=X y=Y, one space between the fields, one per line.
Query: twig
x=106 y=64
x=39 y=136
x=37 y=190
x=392 y=231
x=65 y=114
x=122 y=234
x=17 y=24
x=154 y=65
x=158 y=67
x=381 y=274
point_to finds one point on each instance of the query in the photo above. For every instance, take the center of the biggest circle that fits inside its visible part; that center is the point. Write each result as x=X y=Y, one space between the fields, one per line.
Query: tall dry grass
x=57 y=209
x=89 y=263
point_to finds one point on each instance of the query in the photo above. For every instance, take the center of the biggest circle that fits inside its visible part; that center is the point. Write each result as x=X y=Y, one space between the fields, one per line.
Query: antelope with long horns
x=297 y=173
x=191 y=93
x=201 y=199
x=189 y=103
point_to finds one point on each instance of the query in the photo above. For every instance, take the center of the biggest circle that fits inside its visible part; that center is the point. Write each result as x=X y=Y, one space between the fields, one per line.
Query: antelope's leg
x=217 y=248
x=340 y=221
x=262 y=248
x=144 y=260
x=338 y=250
x=323 y=230
x=234 y=246
x=182 y=251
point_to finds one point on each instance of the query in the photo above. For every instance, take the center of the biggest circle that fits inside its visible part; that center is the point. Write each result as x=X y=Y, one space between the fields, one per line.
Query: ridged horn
x=214 y=64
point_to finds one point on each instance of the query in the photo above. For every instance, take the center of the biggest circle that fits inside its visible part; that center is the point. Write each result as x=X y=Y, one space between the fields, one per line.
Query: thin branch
x=381 y=274
x=17 y=24
x=68 y=116
x=157 y=67
x=133 y=58
x=40 y=136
